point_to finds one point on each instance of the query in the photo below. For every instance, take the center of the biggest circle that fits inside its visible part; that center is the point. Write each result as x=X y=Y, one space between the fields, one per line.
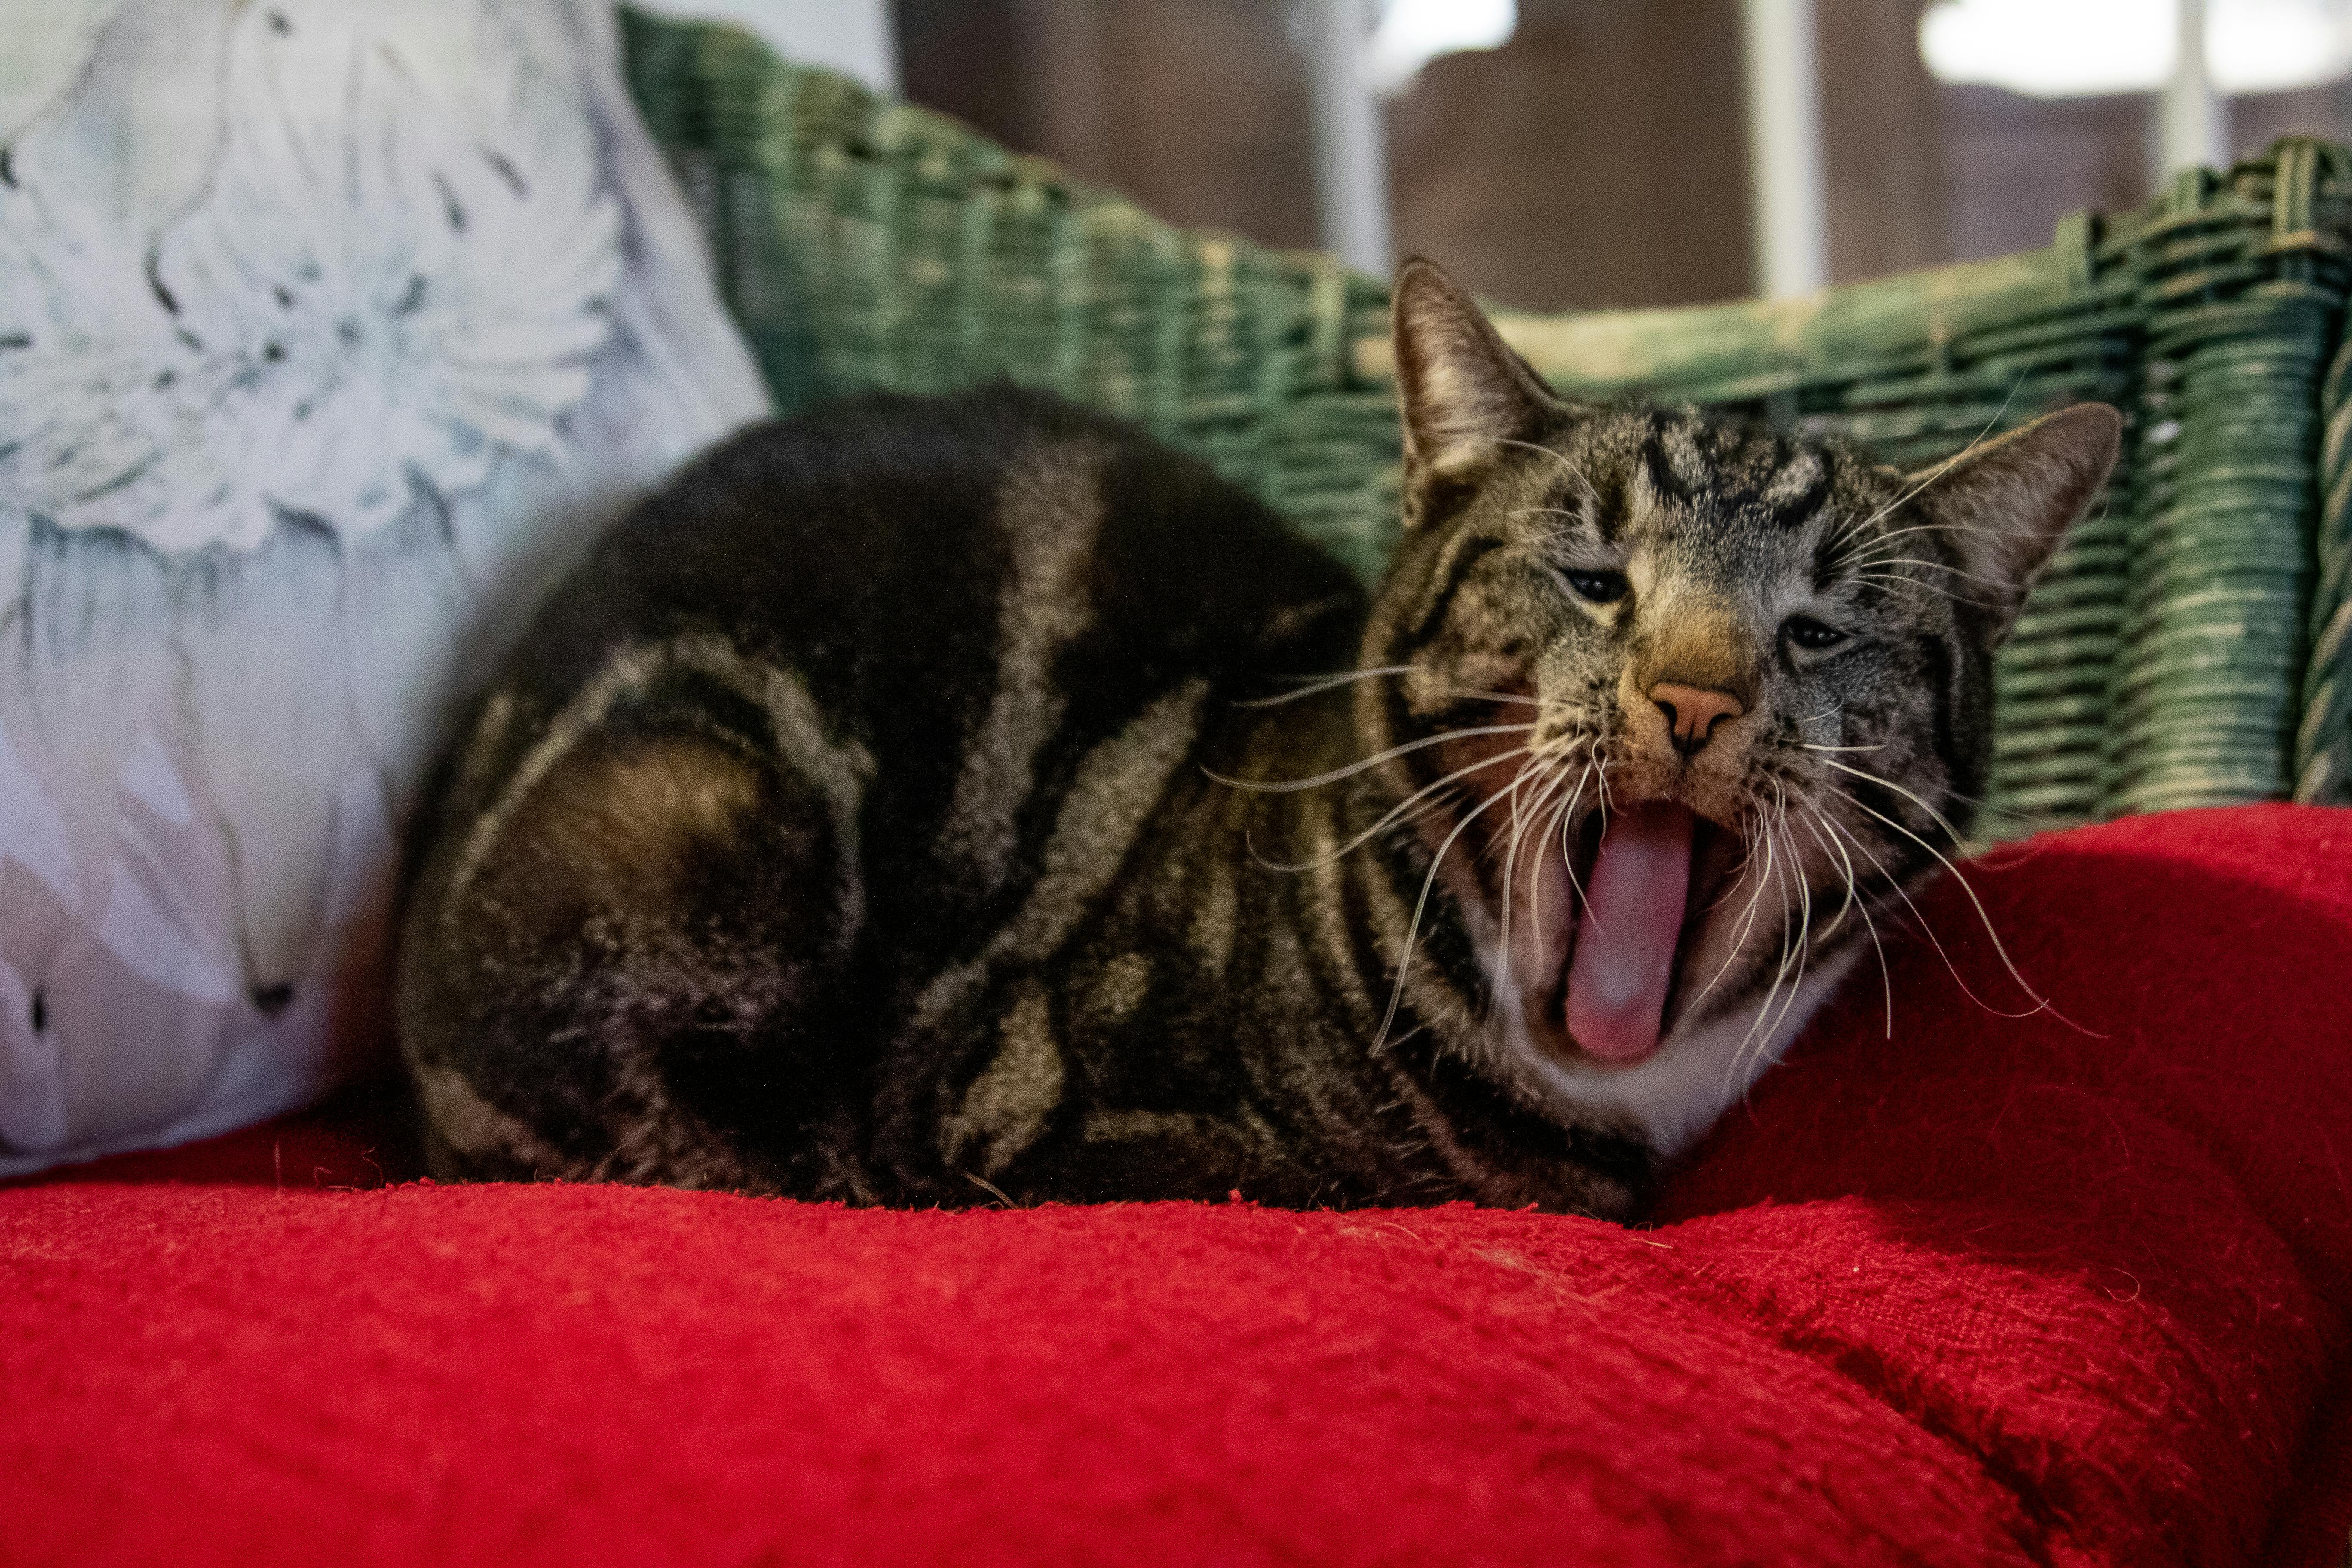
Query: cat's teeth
x=1633 y=917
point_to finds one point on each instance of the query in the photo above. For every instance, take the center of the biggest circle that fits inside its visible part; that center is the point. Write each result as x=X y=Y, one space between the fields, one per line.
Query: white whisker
x=1287 y=785
x=1562 y=458
x=1496 y=696
x=1568 y=820
x=1318 y=685
x=1759 y=1032
x=1941 y=820
x=2042 y=1003
x=1412 y=931
x=1904 y=894
x=1881 y=563
x=1511 y=855
x=1554 y=824
x=1804 y=936
x=1947 y=466
x=1747 y=916
x=1321 y=684
x=1885 y=975
x=1395 y=813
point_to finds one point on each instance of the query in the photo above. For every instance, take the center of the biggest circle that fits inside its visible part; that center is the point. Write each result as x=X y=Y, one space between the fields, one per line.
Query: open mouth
x=1609 y=977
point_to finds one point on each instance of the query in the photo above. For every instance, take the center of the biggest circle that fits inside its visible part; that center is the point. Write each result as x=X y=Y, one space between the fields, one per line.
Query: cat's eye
x=1812 y=634
x=1599 y=587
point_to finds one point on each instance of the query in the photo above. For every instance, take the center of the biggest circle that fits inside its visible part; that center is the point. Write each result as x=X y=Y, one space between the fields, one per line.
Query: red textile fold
x=2041 y=1290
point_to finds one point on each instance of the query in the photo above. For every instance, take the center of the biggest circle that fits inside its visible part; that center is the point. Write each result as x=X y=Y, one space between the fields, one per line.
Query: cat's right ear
x=1464 y=394
x=2004 y=504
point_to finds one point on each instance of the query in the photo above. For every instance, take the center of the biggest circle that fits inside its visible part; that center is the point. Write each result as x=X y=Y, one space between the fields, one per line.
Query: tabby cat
x=936 y=802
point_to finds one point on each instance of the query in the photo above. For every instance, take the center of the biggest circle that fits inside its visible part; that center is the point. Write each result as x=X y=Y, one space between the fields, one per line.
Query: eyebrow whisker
x=1562 y=458
x=1947 y=465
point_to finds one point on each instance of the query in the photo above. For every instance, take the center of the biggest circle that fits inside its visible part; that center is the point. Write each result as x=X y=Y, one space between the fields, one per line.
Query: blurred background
x=1584 y=154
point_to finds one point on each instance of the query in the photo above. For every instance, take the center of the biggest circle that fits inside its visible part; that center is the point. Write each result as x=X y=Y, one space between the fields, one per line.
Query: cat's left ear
x=2006 y=503
x=1463 y=392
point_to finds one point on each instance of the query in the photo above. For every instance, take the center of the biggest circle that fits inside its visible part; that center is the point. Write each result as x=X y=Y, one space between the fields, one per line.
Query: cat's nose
x=1693 y=712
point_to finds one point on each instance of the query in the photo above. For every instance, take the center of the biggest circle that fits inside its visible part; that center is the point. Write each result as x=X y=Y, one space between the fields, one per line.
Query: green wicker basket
x=2192 y=645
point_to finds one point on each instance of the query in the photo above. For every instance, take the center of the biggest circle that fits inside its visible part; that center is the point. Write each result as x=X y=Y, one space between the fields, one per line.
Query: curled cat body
x=946 y=801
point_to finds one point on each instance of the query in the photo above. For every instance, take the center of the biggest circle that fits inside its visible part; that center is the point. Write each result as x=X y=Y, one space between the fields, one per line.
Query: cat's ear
x=1463 y=392
x=2005 y=503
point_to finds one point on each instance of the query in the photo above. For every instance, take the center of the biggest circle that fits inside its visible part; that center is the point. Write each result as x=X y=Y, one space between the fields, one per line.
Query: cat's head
x=1708 y=696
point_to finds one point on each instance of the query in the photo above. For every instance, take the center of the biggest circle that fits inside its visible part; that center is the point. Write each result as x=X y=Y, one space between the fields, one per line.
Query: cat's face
x=1688 y=700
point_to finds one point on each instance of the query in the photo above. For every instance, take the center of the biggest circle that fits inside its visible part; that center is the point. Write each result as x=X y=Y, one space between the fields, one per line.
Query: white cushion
x=330 y=332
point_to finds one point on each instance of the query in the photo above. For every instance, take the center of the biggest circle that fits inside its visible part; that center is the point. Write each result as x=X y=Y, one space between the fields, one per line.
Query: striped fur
x=892 y=811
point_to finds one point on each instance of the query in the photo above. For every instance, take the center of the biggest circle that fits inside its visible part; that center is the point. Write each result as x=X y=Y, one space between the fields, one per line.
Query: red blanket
x=1999 y=1291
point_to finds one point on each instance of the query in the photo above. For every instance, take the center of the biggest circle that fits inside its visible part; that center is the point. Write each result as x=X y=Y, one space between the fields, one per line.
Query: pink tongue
x=1625 y=942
